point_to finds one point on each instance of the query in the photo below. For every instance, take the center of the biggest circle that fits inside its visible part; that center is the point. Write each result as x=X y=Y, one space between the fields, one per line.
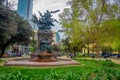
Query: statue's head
x=47 y=11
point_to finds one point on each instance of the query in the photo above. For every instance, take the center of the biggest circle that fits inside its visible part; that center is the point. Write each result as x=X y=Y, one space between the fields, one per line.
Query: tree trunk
x=97 y=49
x=2 y=52
x=67 y=53
x=74 y=53
x=88 y=52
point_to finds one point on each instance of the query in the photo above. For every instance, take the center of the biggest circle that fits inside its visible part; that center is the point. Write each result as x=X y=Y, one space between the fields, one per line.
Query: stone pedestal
x=43 y=57
x=44 y=34
x=44 y=45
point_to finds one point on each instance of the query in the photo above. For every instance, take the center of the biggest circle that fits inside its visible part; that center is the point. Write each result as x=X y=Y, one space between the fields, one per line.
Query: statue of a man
x=46 y=20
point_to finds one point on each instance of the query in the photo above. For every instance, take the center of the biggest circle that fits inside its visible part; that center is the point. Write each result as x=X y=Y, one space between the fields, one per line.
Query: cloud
x=14 y=4
x=44 y=5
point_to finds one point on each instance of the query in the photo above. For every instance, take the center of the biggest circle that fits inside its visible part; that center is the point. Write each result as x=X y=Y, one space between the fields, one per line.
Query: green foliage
x=33 y=45
x=56 y=47
x=32 y=49
x=91 y=21
x=107 y=49
x=116 y=45
x=2 y=60
x=108 y=63
x=66 y=45
x=13 y=29
x=14 y=76
x=109 y=74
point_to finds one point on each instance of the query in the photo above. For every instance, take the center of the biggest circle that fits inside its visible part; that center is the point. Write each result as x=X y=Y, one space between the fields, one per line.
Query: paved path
x=27 y=57
x=24 y=61
x=12 y=58
x=113 y=59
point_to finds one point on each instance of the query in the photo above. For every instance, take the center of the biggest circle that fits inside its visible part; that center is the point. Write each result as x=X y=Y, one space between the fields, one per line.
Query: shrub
x=108 y=64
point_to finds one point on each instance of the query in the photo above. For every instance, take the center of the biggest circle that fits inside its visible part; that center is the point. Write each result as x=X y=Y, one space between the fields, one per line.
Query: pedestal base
x=43 y=57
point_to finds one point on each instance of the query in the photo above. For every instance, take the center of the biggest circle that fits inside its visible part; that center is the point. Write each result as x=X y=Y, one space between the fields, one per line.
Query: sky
x=43 y=5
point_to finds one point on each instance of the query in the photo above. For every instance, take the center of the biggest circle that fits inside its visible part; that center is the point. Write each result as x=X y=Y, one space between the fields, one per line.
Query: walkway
x=113 y=59
x=24 y=61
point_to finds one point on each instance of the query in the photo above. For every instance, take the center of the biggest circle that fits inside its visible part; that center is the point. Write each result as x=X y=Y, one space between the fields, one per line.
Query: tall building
x=25 y=8
x=57 y=37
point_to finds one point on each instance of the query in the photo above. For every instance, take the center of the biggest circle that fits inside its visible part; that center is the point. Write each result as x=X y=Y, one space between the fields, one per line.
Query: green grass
x=88 y=70
x=2 y=60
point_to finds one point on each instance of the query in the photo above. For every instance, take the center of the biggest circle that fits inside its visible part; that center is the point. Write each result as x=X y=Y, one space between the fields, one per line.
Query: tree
x=72 y=26
x=66 y=45
x=85 y=21
x=33 y=44
x=116 y=45
x=13 y=29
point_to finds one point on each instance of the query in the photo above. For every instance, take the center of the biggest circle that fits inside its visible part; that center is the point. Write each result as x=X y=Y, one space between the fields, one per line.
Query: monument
x=44 y=56
x=44 y=23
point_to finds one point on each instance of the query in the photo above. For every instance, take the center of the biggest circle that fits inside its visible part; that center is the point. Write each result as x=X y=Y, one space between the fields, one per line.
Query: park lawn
x=2 y=62
x=88 y=70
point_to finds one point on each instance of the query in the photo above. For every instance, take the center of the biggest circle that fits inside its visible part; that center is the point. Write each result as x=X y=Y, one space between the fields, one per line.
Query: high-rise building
x=57 y=37
x=25 y=8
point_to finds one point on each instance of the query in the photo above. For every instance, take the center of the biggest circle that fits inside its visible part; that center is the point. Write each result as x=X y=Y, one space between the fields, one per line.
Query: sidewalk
x=12 y=58
x=113 y=59
x=27 y=57
x=116 y=60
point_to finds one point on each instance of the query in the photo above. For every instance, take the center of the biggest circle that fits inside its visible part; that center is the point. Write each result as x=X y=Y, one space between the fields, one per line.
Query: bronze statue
x=45 y=21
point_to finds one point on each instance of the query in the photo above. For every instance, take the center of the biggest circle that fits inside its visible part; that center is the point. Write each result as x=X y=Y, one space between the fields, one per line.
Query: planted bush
x=100 y=74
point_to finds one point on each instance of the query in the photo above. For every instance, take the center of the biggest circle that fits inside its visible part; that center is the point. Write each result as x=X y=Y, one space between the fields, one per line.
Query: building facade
x=25 y=8
x=57 y=37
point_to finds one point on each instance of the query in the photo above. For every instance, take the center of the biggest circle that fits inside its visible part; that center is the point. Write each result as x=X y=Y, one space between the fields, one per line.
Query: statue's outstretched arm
x=54 y=11
x=34 y=19
x=54 y=20
x=40 y=14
